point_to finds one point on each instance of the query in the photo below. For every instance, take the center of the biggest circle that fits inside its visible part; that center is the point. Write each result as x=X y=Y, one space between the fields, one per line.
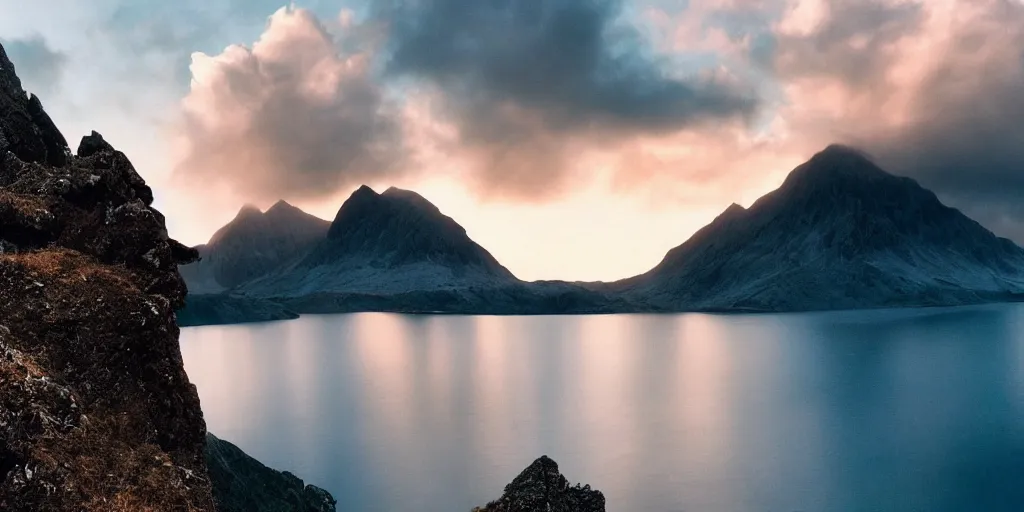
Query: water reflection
x=884 y=410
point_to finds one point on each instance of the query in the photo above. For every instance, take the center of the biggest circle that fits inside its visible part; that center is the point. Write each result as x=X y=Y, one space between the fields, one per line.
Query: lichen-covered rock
x=96 y=411
x=541 y=488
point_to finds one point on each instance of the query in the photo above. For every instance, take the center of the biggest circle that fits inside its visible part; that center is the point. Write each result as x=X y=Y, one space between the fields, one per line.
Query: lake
x=891 y=410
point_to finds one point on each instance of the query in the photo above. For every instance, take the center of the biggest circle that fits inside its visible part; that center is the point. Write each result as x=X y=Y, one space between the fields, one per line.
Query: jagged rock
x=243 y=484
x=541 y=488
x=96 y=412
x=92 y=144
x=26 y=131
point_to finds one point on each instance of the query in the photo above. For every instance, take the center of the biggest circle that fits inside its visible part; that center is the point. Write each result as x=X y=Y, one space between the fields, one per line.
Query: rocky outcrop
x=242 y=484
x=96 y=411
x=541 y=488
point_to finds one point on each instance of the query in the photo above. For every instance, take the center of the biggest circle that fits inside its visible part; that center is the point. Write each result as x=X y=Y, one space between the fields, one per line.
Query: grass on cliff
x=90 y=457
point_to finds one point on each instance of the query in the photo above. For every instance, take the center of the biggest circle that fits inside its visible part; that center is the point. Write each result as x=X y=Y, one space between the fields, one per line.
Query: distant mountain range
x=840 y=233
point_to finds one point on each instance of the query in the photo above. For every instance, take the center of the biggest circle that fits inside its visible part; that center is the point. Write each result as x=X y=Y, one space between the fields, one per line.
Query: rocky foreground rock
x=541 y=488
x=96 y=411
x=242 y=484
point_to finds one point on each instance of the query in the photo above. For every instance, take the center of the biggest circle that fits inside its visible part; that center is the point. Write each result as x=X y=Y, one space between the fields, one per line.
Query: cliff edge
x=96 y=412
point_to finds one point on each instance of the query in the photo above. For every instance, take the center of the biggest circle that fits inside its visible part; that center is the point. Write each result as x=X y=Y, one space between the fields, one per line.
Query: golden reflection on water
x=687 y=412
x=492 y=369
x=702 y=406
x=382 y=353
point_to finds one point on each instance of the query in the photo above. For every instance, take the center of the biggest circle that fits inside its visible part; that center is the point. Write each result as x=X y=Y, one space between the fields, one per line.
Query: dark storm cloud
x=39 y=66
x=854 y=41
x=524 y=81
x=967 y=137
x=959 y=127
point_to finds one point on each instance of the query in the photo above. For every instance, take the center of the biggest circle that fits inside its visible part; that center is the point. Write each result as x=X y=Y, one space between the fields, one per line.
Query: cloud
x=39 y=66
x=935 y=90
x=528 y=85
x=293 y=116
x=713 y=102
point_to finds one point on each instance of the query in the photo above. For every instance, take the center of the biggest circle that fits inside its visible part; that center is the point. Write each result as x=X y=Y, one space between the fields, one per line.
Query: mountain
x=840 y=233
x=396 y=251
x=251 y=245
x=384 y=243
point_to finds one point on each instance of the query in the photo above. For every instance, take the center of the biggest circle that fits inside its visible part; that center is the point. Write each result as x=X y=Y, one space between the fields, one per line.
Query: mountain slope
x=251 y=245
x=839 y=233
x=396 y=251
x=386 y=243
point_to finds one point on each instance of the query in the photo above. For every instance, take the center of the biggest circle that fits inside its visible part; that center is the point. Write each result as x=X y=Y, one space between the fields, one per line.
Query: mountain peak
x=837 y=151
x=248 y=210
x=732 y=211
x=837 y=167
x=399 y=192
x=841 y=159
x=399 y=227
x=281 y=204
x=364 y=191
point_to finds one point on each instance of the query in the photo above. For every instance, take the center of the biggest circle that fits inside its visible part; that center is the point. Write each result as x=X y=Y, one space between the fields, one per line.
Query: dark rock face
x=541 y=488
x=96 y=412
x=243 y=484
x=27 y=131
x=839 y=233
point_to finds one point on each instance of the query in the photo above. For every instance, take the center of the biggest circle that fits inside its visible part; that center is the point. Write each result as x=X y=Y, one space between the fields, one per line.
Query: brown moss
x=108 y=437
x=96 y=412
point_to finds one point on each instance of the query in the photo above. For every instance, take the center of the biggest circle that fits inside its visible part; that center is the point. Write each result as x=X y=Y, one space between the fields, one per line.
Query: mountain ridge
x=840 y=232
x=252 y=243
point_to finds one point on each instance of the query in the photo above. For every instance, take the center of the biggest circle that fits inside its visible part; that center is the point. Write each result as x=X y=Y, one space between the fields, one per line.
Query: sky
x=574 y=139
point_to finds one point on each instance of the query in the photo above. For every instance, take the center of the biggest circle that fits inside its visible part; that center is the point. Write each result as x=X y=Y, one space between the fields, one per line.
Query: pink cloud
x=292 y=116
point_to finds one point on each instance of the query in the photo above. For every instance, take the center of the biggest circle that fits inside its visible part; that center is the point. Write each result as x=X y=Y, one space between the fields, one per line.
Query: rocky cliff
x=242 y=484
x=96 y=411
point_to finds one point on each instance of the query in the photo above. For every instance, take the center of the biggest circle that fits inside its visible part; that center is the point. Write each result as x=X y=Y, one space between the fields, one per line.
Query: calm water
x=914 y=410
